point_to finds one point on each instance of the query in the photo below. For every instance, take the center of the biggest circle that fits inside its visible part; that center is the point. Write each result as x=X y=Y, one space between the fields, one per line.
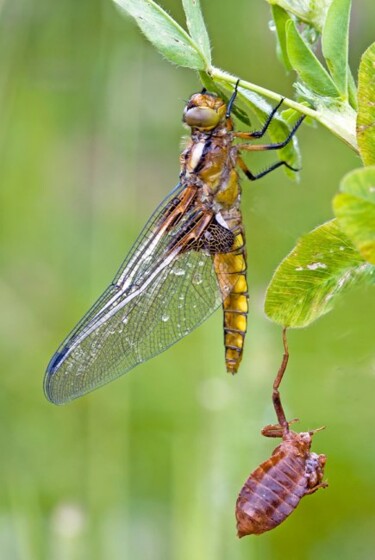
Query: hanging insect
x=189 y=259
x=275 y=488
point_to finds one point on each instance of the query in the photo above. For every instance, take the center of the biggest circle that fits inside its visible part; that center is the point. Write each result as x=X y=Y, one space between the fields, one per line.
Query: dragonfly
x=189 y=259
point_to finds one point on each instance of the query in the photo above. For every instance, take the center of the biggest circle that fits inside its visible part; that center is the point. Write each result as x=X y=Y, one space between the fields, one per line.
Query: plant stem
x=225 y=78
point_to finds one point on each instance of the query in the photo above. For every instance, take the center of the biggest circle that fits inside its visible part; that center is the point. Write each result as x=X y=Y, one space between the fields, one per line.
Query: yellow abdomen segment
x=231 y=272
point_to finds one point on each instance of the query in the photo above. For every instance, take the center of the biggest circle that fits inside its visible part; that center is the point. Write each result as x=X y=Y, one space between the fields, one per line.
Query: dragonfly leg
x=263 y=130
x=262 y=147
x=232 y=100
x=253 y=177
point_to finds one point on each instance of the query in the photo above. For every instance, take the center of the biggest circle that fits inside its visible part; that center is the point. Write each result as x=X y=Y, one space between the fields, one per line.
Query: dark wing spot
x=217 y=239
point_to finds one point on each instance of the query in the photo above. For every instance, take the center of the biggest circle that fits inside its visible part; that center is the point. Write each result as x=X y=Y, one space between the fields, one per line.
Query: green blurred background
x=150 y=466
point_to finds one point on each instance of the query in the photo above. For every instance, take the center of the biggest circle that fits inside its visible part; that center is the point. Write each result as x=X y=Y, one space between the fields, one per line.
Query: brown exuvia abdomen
x=275 y=488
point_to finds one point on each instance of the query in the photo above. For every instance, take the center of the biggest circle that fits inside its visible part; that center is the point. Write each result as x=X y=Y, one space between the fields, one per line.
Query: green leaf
x=308 y=67
x=280 y=17
x=197 y=27
x=165 y=34
x=352 y=90
x=338 y=117
x=366 y=106
x=311 y=12
x=335 y=43
x=306 y=284
x=355 y=210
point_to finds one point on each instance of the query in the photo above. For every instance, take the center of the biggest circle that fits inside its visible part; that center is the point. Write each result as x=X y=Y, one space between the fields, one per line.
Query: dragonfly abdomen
x=235 y=303
x=235 y=325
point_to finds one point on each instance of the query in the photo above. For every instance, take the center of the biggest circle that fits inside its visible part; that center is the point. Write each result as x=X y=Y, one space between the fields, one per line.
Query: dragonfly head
x=204 y=111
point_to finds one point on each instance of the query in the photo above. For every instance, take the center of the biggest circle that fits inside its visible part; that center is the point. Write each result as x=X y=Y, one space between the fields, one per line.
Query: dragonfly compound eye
x=201 y=117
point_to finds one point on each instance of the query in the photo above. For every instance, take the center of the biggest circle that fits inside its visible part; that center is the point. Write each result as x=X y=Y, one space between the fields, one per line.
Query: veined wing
x=162 y=291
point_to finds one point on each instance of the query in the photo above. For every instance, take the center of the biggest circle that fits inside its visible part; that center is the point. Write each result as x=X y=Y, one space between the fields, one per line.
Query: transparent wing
x=157 y=297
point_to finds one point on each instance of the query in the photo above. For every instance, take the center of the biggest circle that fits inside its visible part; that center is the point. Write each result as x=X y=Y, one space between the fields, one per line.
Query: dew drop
x=197 y=279
x=179 y=272
x=316 y=266
x=271 y=25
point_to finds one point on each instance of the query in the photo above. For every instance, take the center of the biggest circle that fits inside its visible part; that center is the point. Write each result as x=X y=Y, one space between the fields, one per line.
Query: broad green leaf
x=311 y=12
x=366 y=106
x=306 y=284
x=197 y=27
x=307 y=66
x=165 y=34
x=280 y=17
x=335 y=43
x=355 y=210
